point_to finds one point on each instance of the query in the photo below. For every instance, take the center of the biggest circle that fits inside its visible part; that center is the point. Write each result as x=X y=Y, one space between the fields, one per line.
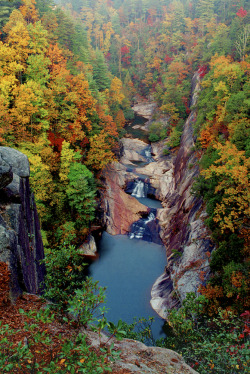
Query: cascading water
x=140 y=189
x=148 y=154
x=146 y=229
x=139 y=228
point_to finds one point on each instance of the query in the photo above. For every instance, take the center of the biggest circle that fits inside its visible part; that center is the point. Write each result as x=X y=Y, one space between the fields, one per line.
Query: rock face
x=138 y=358
x=145 y=109
x=183 y=231
x=120 y=209
x=20 y=238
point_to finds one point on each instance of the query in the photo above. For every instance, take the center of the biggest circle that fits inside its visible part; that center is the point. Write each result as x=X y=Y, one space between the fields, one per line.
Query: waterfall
x=150 y=218
x=148 y=154
x=140 y=189
x=141 y=230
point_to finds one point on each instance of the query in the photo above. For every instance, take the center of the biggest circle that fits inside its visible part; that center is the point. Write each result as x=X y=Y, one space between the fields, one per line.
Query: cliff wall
x=20 y=238
x=187 y=240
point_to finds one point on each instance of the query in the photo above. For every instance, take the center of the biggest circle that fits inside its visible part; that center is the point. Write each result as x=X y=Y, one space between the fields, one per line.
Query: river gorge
x=156 y=247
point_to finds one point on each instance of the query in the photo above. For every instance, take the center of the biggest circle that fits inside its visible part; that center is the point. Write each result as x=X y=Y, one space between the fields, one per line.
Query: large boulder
x=21 y=244
x=137 y=358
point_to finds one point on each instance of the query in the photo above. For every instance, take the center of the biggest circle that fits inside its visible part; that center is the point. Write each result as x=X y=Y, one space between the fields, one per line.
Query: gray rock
x=89 y=248
x=135 y=357
x=6 y=175
x=20 y=238
x=17 y=160
x=5 y=246
x=13 y=189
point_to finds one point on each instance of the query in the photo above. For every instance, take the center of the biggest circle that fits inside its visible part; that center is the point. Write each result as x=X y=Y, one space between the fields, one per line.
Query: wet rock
x=160 y=177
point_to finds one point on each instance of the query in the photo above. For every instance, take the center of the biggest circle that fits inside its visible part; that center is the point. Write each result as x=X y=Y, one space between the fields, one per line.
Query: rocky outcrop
x=88 y=248
x=137 y=358
x=132 y=149
x=145 y=109
x=120 y=209
x=183 y=230
x=20 y=238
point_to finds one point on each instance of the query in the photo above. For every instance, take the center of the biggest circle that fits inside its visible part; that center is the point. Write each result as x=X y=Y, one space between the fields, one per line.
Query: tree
x=231 y=171
x=205 y=10
x=6 y=7
x=241 y=42
x=81 y=192
x=100 y=153
x=29 y=11
x=100 y=72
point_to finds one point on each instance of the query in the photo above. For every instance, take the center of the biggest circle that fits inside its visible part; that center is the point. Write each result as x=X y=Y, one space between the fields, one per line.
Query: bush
x=214 y=345
x=65 y=274
x=174 y=138
x=166 y=151
x=45 y=352
x=157 y=131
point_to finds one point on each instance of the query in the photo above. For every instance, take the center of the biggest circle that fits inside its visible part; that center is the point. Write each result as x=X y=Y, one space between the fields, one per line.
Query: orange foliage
x=120 y=119
x=179 y=70
x=58 y=61
x=206 y=137
x=213 y=294
x=29 y=11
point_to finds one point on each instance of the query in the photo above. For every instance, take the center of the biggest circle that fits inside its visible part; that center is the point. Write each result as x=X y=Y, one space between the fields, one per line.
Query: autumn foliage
x=48 y=96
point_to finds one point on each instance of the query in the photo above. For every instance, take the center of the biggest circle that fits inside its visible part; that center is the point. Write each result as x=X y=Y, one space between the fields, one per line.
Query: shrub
x=174 y=138
x=157 y=131
x=212 y=345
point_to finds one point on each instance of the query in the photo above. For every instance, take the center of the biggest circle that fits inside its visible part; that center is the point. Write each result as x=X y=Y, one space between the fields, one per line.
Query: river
x=129 y=266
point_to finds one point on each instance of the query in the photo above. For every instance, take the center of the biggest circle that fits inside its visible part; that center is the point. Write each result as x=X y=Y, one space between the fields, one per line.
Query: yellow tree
x=18 y=39
x=232 y=172
x=116 y=95
x=100 y=153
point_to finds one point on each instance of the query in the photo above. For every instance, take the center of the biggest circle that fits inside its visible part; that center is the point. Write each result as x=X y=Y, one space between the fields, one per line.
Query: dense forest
x=70 y=71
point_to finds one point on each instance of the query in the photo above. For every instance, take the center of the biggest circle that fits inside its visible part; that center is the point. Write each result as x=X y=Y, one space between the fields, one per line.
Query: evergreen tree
x=44 y=6
x=100 y=72
x=205 y=10
x=6 y=7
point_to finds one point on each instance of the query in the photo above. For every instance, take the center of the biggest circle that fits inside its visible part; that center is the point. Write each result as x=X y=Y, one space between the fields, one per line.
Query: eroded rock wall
x=20 y=238
x=184 y=233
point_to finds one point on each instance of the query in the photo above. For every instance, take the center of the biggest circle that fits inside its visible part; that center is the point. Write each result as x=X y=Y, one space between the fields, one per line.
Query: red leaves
x=55 y=140
x=125 y=53
x=125 y=50
x=241 y=12
x=202 y=71
x=168 y=59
